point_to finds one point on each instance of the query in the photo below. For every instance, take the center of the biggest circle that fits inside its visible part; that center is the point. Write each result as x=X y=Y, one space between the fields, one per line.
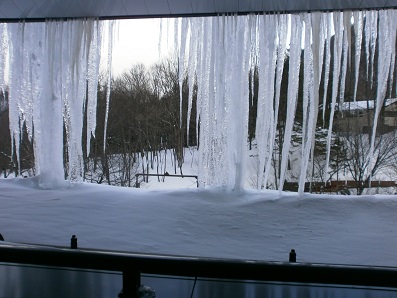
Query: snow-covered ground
x=259 y=225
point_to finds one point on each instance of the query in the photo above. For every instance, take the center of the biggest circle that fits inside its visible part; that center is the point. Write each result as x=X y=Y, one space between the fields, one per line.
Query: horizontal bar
x=191 y=15
x=198 y=266
x=167 y=175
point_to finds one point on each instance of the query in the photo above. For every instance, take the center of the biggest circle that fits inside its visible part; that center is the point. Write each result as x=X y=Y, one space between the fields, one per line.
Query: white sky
x=138 y=42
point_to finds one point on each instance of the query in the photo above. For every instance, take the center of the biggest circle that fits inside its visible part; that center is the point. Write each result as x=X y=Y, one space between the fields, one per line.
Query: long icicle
x=338 y=23
x=109 y=79
x=384 y=62
x=308 y=105
x=281 y=49
x=317 y=46
x=358 y=33
x=264 y=119
x=329 y=24
x=292 y=93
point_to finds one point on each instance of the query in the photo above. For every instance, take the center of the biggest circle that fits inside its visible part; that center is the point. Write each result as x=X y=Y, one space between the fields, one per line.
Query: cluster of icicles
x=52 y=64
x=53 y=72
x=222 y=52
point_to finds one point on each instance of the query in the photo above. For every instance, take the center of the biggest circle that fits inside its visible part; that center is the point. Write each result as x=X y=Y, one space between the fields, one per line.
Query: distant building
x=358 y=117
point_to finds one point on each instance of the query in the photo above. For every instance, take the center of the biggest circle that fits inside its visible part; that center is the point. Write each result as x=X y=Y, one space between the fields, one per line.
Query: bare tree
x=362 y=169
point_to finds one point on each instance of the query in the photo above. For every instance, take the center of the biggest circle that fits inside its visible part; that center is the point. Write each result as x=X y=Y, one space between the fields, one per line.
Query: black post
x=292 y=256
x=73 y=242
x=131 y=284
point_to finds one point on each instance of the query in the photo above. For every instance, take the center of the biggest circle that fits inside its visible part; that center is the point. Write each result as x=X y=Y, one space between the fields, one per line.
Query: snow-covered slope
x=260 y=225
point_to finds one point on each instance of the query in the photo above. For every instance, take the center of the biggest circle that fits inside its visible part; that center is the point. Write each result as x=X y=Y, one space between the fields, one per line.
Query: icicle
x=270 y=125
x=16 y=35
x=109 y=79
x=192 y=67
x=384 y=62
x=338 y=23
x=242 y=106
x=317 y=46
x=203 y=106
x=76 y=52
x=308 y=105
x=293 y=86
x=199 y=77
x=346 y=45
x=345 y=54
x=228 y=91
x=223 y=58
x=3 y=55
x=215 y=145
x=181 y=65
x=367 y=34
x=281 y=49
x=358 y=33
x=92 y=77
x=328 y=26
x=217 y=73
x=26 y=86
x=49 y=120
x=50 y=64
x=265 y=112
x=254 y=51
x=374 y=36
x=160 y=37
x=176 y=36
x=393 y=31
x=323 y=34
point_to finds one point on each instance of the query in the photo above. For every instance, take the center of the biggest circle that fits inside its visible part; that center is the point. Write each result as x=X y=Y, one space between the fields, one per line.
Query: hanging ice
x=222 y=96
x=267 y=58
x=309 y=118
x=329 y=24
x=50 y=65
x=358 y=31
x=53 y=64
x=384 y=61
x=215 y=57
x=293 y=86
x=338 y=42
x=110 y=36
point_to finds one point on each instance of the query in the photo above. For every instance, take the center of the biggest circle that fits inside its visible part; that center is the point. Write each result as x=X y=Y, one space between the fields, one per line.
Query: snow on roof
x=362 y=104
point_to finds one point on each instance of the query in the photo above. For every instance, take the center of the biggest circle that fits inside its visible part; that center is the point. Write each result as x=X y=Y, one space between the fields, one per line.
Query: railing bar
x=165 y=175
x=74 y=269
x=203 y=267
x=274 y=283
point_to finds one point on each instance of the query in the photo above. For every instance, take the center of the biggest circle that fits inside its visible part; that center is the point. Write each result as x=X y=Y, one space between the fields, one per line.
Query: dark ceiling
x=46 y=9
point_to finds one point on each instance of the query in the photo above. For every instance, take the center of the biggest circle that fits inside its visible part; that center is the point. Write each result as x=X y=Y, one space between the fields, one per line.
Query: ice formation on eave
x=220 y=51
x=53 y=80
x=54 y=71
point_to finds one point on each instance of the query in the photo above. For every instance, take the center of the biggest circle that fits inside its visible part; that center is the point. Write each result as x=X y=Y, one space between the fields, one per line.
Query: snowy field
x=256 y=225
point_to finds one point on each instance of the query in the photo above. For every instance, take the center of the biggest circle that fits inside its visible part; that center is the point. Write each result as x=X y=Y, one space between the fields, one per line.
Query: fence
x=335 y=186
x=137 y=185
x=132 y=265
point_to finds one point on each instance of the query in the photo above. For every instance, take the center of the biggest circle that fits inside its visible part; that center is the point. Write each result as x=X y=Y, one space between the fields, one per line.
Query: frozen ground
x=260 y=225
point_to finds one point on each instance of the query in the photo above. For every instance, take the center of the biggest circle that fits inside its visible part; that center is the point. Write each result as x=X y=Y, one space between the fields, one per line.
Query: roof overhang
x=31 y=10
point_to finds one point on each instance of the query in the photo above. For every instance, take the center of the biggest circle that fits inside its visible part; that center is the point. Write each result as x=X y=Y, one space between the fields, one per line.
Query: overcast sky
x=138 y=42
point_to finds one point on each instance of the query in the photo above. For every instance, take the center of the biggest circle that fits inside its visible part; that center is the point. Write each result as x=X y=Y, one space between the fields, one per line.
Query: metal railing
x=132 y=265
x=137 y=184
